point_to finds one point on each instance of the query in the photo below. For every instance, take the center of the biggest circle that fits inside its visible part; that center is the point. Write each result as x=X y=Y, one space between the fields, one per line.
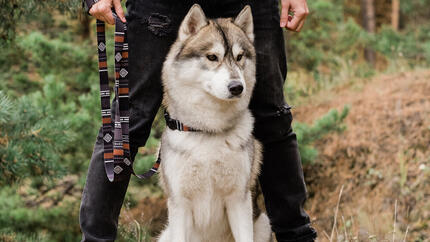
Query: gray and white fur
x=208 y=79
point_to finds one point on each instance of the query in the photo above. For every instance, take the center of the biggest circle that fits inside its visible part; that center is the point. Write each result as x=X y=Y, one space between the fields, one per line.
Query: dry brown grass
x=382 y=157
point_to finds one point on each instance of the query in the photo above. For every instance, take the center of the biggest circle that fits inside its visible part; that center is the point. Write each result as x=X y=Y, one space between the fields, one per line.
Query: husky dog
x=208 y=78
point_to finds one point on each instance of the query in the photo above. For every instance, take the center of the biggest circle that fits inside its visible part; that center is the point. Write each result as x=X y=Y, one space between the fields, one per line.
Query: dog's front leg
x=180 y=220
x=239 y=212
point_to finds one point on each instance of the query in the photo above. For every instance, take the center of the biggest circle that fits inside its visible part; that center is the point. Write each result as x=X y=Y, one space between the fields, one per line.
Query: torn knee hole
x=283 y=110
x=158 y=24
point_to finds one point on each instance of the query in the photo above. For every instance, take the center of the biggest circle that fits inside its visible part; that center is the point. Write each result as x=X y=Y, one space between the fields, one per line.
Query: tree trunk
x=395 y=11
x=85 y=25
x=368 y=12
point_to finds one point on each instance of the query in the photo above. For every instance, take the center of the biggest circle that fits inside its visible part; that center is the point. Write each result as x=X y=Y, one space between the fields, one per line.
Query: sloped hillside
x=382 y=161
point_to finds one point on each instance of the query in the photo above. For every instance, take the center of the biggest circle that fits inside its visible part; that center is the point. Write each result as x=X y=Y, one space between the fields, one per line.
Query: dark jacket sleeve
x=87 y=4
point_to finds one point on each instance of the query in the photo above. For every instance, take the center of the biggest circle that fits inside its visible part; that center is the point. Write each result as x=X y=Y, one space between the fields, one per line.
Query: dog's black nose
x=235 y=88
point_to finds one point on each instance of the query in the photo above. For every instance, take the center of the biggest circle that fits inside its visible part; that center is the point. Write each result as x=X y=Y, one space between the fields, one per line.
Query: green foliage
x=307 y=135
x=134 y=232
x=20 y=223
x=78 y=111
x=6 y=236
x=413 y=44
x=67 y=89
x=329 y=37
x=49 y=85
x=327 y=52
x=14 y=11
x=49 y=118
x=330 y=48
x=32 y=140
x=57 y=57
x=415 y=12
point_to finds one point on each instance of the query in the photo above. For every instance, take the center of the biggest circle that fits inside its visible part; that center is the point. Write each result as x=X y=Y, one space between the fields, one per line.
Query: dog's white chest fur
x=202 y=163
x=201 y=172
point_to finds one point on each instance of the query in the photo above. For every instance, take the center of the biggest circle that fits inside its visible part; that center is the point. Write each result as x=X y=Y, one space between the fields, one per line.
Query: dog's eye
x=239 y=57
x=212 y=57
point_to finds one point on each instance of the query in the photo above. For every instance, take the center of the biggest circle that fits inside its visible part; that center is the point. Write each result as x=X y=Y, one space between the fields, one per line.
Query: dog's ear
x=193 y=22
x=245 y=22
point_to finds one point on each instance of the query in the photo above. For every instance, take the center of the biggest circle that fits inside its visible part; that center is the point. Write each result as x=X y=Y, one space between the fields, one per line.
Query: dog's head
x=215 y=57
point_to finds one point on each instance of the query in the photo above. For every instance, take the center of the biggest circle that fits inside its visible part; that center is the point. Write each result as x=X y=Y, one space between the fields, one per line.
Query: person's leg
x=281 y=175
x=101 y=200
x=152 y=27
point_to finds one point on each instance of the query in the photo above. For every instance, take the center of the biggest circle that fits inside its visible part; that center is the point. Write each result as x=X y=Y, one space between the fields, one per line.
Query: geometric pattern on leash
x=116 y=151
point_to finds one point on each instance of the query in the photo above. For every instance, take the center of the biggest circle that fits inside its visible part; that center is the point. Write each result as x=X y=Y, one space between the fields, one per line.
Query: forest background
x=359 y=82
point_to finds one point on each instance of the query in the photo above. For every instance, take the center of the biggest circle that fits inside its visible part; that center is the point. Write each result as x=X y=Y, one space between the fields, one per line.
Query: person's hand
x=102 y=10
x=300 y=10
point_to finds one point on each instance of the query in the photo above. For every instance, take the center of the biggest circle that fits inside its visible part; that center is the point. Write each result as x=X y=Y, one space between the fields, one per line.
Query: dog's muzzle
x=235 y=88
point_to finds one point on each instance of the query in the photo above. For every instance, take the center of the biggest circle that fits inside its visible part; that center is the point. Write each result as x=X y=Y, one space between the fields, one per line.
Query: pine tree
x=307 y=135
x=14 y=11
x=31 y=141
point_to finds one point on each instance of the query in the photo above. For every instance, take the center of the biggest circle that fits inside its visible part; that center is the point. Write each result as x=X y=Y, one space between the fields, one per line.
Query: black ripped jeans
x=152 y=28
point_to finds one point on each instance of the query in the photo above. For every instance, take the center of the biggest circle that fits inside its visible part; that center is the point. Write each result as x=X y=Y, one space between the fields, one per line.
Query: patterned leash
x=116 y=151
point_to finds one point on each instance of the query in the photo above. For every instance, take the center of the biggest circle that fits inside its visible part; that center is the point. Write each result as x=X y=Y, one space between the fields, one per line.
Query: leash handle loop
x=116 y=151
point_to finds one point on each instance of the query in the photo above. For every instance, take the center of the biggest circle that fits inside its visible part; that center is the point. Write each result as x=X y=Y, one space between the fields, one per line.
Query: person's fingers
x=304 y=19
x=285 y=7
x=102 y=18
x=102 y=11
x=300 y=25
x=94 y=12
x=292 y=25
x=98 y=16
x=109 y=17
x=118 y=9
x=107 y=12
x=299 y=16
x=91 y=12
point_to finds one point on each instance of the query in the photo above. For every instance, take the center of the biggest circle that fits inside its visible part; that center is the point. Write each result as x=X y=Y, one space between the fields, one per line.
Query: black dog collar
x=175 y=124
